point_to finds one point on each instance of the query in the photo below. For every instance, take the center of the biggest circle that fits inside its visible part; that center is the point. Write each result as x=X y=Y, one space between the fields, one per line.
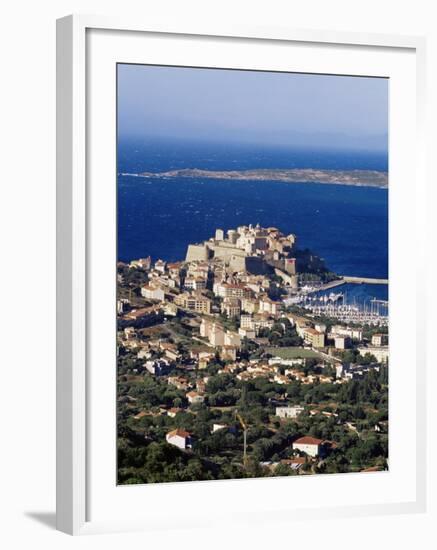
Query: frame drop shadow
x=45 y=518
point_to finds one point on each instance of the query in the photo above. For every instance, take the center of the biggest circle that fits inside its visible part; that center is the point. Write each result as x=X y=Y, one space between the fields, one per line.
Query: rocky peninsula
x=363 y=178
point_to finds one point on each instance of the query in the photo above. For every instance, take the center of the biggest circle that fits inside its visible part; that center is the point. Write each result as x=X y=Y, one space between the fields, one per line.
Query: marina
x=343 y=306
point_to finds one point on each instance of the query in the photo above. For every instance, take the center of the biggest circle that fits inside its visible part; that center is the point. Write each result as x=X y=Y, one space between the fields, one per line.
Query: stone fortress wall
x=197 y=252
x=248 y=248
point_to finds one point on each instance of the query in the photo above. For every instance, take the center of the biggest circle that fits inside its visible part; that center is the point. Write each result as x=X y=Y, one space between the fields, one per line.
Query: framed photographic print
x=239 y=219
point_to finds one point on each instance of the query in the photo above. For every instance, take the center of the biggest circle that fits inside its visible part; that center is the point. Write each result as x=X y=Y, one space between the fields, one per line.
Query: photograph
x=252 y=274
x=229 y=222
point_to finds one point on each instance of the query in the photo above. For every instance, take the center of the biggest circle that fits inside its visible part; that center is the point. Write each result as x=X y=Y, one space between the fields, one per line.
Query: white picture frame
x=74 y=462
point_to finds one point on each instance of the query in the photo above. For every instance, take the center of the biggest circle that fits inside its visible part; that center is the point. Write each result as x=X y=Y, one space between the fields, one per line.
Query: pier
x=354 y=280
x=364 y=280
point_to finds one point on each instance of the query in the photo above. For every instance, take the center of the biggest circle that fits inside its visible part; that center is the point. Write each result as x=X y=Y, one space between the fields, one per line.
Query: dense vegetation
x=346 y=414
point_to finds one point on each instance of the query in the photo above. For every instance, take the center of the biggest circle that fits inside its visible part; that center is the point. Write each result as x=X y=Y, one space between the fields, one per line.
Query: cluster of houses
x=305 y=449
x=208 y=288
x=224 y=277
x=160 y=357
x=344 y=337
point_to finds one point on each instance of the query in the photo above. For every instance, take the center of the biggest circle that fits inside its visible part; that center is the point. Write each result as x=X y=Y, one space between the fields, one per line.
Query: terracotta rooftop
x=307 y=440
x=137 y=313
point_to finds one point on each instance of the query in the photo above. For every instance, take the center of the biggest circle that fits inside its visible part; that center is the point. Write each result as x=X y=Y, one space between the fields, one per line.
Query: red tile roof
x=307 y=440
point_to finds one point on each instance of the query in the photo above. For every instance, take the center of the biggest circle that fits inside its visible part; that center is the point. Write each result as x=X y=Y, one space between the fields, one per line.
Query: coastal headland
x=363 y=178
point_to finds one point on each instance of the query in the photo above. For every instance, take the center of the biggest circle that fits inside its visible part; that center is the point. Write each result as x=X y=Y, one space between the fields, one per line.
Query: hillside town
x=222 y=373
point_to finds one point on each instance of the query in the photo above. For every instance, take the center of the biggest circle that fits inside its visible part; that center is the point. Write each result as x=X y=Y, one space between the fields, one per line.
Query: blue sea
x=347 y=226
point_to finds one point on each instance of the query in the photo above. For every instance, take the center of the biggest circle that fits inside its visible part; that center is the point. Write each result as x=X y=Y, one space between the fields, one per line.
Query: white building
x=228 y=290
x=289 y=412
x=205 y=327
x=160 y=266
x=232 y=339
x=195 y=398
x=353 y=333
x=179 y=438
x=213 y=331
x=262 y=321
x=216 y=335
x=151 y=292
x=266 y=305
x=231 y=306
x=250 y=305
x=194 y=302
x=189 y=283
x=380 y=353
x=379 y=340
x=195 y=283
x=246 y=322
x=309 y=445
x=341 y=342
x=158 y=367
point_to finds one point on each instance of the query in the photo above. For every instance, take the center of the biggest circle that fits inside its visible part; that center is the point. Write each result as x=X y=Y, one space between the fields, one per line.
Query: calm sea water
x=347 y=226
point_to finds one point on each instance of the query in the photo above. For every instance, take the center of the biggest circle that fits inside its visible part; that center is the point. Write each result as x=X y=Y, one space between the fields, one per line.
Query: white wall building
x=151 y=292
x=160 y=266
x=246 y=322
x=232 y=339
x=179 y=438
x=194 y=397
x=380 y=353
x=353 y=333
x=266 y=305
x=379 y=340
x=205 y=327
x=289 y=412
x=341 y=342
x=309 y=445
x=216 y=335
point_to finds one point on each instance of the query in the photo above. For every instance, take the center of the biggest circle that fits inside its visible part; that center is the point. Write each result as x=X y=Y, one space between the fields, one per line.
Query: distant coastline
x=358 y=178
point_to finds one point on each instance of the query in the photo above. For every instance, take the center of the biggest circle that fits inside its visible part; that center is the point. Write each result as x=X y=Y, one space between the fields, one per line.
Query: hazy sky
x=253 y=107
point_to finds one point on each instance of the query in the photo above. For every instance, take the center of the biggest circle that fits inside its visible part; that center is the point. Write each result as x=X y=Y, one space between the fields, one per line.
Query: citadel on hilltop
x=254 y=249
